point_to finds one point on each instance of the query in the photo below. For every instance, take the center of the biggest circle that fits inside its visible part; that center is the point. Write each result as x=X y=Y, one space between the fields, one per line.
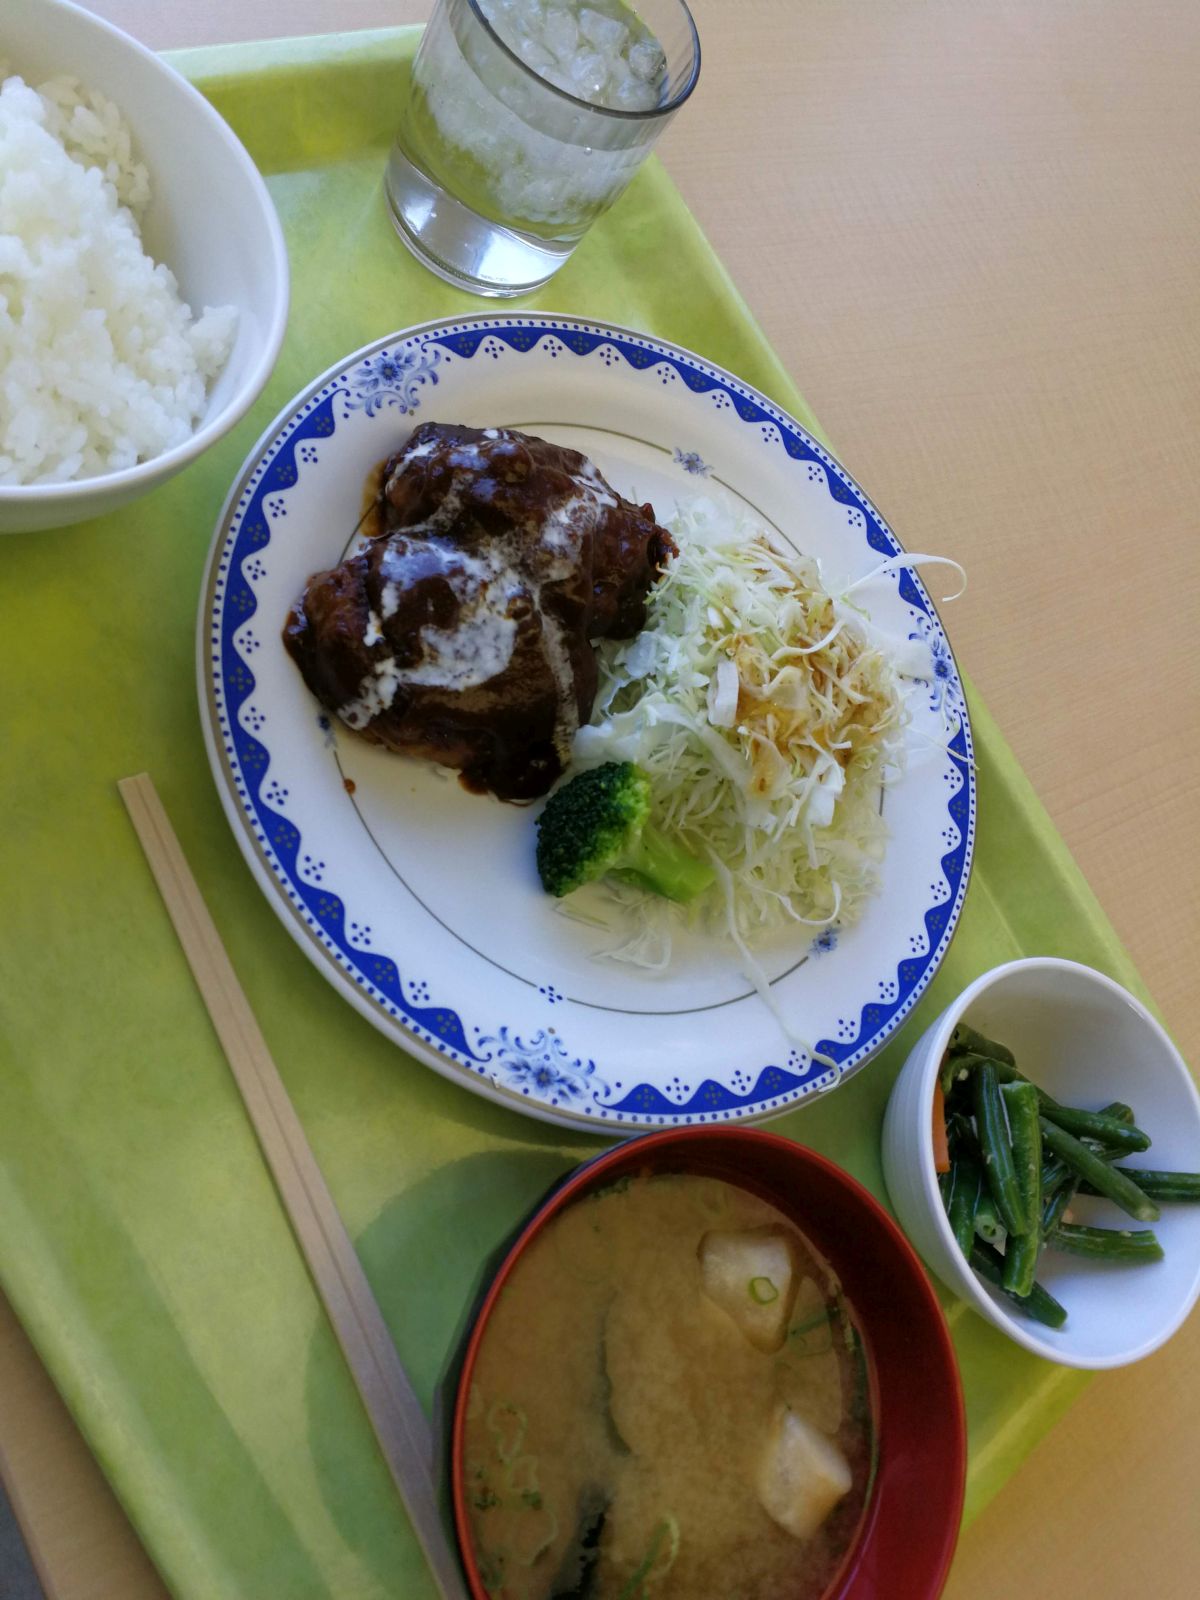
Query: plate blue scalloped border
x=538 y=1073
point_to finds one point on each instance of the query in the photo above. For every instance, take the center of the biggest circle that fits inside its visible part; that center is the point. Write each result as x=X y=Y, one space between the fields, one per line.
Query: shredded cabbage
x=768 y=716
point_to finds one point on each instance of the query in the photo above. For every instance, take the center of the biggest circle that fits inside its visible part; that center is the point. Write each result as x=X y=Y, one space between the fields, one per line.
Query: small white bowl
x=210 y=220
x=1086 y=1042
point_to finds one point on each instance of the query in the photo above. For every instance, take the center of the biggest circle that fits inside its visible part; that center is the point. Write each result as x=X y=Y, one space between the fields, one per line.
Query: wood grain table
x=972 y=232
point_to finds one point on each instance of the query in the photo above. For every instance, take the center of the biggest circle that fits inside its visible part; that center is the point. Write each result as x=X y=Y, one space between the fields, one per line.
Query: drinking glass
x=525 y=121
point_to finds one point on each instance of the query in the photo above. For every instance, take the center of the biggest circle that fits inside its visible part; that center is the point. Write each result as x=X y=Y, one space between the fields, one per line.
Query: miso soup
x=671 y=1402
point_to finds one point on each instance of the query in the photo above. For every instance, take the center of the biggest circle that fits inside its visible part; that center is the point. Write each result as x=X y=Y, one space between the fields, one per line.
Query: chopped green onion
x=507 y=1424
x=491 y=1570
x=813 y=1322
x=635 y=1588
x=763 y=1291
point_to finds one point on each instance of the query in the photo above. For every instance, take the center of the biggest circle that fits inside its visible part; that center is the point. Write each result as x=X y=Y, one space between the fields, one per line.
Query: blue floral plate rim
x=531 y=1067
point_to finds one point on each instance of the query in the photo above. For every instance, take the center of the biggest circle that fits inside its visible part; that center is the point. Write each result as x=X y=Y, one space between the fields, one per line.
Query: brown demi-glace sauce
x=463 y=630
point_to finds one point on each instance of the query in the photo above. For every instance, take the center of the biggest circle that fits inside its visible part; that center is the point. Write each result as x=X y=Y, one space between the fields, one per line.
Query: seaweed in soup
x=680 y=1437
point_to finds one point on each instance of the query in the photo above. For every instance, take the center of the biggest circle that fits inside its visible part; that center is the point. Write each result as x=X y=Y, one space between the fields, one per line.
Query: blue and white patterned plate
x=421 y=902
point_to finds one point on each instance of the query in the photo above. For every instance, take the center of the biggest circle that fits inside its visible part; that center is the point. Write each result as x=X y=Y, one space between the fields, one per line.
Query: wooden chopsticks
x=400 y=1425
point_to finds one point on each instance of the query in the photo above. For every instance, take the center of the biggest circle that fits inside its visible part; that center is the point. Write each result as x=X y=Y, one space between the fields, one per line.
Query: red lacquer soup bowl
x=909 y=1526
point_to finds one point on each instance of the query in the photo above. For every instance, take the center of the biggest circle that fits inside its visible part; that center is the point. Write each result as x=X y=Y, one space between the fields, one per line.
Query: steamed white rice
x=102 y=365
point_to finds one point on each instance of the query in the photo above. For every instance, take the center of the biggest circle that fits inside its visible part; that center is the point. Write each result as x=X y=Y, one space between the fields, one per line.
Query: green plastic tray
x=141 y=1241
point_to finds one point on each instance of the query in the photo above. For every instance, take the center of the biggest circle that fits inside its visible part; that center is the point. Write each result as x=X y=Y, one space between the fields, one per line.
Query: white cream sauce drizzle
x=484 y=582
x=477 y=648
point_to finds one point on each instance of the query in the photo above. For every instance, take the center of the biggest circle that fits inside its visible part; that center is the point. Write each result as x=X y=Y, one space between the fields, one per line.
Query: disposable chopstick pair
x=400 y=1425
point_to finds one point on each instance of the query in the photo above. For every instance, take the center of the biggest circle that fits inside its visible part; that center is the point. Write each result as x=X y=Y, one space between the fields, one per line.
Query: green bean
x=945 y=1186
x=957 y=1071
x=1006 y=1071
x=987 y=1219
x=1114 y=1130
x=953 y=1072
x=1106 y=1244
x=1106 y=1179
x=1157 y=1184
x=959 y=1097
x=1107 y=1152
x=1020 y=1262
x=1057 y=1204
x=965 y=1039
x=1059 y=1186
x=960 y=1131
x=1021 y=1106
x=964 y=1197
x=1119 y=1110
x=1095 y=1125
x=1039 y=1304
x=1054 y=1172
x=997 y=1150
x=1023 y=1249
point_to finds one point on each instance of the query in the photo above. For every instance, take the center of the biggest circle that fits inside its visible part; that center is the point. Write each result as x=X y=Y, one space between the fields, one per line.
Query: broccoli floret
x=597 y=824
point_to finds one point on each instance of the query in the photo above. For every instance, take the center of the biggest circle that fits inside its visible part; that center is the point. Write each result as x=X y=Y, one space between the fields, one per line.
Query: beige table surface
x=971 y=228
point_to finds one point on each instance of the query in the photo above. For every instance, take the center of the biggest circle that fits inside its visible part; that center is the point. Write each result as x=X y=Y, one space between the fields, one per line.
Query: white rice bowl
x=102 y=364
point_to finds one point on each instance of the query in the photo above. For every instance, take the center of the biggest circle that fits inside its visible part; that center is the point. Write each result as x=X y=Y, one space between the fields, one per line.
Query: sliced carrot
x=941 y=1147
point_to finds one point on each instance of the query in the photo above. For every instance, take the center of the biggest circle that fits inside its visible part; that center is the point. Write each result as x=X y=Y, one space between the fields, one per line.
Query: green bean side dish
x=1017 y=1161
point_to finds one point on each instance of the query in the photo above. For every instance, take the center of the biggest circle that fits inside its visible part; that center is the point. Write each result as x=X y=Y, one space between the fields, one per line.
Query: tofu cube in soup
x=801 y=1476
x=809 y=1368
x=750 y=1275
x=659 y=1405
